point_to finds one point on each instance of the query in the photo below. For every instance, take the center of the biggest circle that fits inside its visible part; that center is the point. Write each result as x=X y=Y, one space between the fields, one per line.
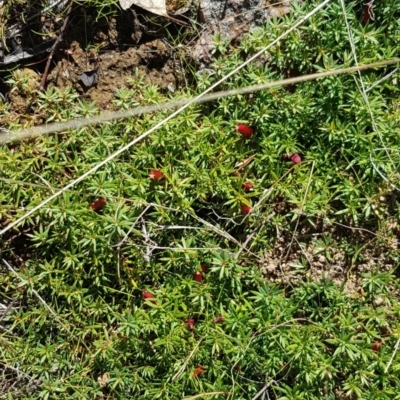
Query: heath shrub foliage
x=145 y=290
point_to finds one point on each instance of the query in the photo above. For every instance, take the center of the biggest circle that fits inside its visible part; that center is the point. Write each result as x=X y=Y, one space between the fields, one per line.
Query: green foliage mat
x=83 y=322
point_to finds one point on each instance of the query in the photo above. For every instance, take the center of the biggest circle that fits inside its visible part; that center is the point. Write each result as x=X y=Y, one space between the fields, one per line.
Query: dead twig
x=262 y=391
x=396 y=347
x=55 y=127
x=11 y=269
x=53 y=49
x=7 y=310
x=182 y=369
x=201 y=395
x=300 y=211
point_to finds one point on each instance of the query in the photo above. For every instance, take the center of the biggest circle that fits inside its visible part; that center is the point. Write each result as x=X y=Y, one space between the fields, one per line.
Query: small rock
x=378 y=301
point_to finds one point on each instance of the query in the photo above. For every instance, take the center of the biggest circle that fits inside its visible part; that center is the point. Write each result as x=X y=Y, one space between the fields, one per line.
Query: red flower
x=219 y=319
x=368 y=14
x=245 y=208
x=203 y=267
x=149 y=296
x=238 y=367
x=247 y=186
x=377 y=345
x=246 y=130
x=198 y=277
x=190 y=323
x=295 y=158
x=198 y=371
x=156 y=175
x=98 y=204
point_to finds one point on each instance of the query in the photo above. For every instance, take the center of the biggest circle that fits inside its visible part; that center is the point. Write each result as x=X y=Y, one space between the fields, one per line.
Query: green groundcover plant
x=135 y=285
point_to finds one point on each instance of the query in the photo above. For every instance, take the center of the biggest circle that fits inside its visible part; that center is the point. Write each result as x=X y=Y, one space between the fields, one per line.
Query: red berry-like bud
x=98 y=204
x=198 y=277
x=377 y=345
x=246 y=130
x=247 y=186
x=295 y=158
x=190 y=323
x=198 y=371
x=219 y=319
x=156 y=175
x=149 y=296
x=245 y=208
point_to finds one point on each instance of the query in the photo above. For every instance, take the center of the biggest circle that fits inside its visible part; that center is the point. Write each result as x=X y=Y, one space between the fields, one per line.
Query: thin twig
x=301 y=210
x=266 y=386
x=17 y=371
x=7 y=309
x=36 y=294
x=53 y=49
x=182 y=369
x=245 y=243
x=362 y=85
x=396 y=347
x=256 y=336
x=56 y=127
x=202 y=221
x=199 y=396
x=45 y=182
x=386 y=77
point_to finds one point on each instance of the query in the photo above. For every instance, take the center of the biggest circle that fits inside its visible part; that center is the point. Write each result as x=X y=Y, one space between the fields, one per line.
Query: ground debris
x=231 y=19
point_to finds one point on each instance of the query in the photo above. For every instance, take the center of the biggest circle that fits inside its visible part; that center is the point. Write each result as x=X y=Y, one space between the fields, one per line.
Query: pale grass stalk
x=201 y=395
x=386 y=77
x=362 y=88
x=301 y=210
x=55 y=127
x=396 y=347
x=182 y=369
x=254 y=337
x=35 y=293
x=262 y=391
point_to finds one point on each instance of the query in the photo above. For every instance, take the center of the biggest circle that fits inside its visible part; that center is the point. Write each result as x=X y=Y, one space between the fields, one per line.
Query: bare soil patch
x=113 y=69
x=110 y=49
x=337 y=253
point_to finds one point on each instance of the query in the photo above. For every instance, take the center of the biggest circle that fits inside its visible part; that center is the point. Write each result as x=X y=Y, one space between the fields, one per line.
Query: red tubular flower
x=246 y=130
x=219 y=319
x=198 y=277
x=245 y=208
x=190 y=323
x=198 y=371
x=377 y=345
x=295 y=158
x=98 y=204
x=247 y=186
x=156 y=175
x=149 y=296
x=368 y=14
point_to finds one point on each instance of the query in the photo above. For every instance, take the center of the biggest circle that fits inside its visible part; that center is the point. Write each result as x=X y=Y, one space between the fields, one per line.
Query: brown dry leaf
x=103 y=379
x=245 y=163
x=155 y=6
x=178 y=7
